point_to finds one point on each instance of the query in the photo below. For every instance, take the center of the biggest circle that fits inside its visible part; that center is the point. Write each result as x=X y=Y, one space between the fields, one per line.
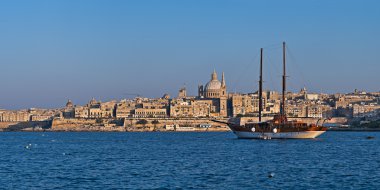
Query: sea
x=187 y=160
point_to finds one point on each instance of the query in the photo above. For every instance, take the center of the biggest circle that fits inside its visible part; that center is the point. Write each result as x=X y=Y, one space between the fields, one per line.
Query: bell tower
x=223 y=98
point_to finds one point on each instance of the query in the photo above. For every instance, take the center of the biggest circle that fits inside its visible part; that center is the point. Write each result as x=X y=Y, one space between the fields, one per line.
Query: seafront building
x=215 y=94
x=32 y=114
x=212 y=101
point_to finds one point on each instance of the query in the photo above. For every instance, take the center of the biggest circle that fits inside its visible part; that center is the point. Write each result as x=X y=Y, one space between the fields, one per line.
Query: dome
x=93 y=101
x=213 y=85
x=69 y=104
x=166 y=96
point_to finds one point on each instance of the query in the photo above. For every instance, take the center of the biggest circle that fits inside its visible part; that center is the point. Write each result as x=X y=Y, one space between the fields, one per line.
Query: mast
x=261 y=84
x=283 y=112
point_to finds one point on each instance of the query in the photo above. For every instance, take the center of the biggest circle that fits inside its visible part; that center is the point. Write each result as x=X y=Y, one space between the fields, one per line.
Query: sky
x=52 y=51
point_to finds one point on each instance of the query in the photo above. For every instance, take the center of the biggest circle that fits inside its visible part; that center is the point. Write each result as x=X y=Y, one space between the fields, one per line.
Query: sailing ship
x=278 y=128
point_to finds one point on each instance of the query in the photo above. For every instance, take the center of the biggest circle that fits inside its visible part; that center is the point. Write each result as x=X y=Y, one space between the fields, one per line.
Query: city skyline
x=54 y=51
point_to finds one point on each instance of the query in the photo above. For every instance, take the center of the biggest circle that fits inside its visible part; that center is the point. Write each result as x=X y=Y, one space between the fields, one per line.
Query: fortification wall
x=25 y=126
x=132 y=124
x=4 y=125
x=85 y=125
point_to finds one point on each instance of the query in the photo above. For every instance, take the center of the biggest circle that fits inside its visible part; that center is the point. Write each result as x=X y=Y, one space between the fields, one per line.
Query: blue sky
x=51 y=51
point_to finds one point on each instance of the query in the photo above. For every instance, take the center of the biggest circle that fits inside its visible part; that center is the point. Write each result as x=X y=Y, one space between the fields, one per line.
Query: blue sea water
x=336 y=160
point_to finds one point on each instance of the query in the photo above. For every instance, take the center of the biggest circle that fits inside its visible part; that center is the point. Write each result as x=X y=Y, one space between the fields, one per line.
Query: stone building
x=272 y=107
x=182 y=93
x=1 y=114
x=14 y=116
x=365 y=110
x=81 y=112
x=311 y=109
x=150 y=113
x=296 y=110
x=108 y=109
x=248 y=104
x=241 y=104
x=151 y=108
x=69 y=111
x=125 y=109
x=43 y=114
x=95 y=109
x=216 y=91
x=190 y=108
x=314 y=111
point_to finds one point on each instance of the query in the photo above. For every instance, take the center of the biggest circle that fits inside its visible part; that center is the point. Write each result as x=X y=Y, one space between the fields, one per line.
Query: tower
x=182 y=93
x=223 y=87
x=223 y=97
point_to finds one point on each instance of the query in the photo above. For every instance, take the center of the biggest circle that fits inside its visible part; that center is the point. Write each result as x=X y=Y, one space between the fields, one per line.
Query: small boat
x=279 y=127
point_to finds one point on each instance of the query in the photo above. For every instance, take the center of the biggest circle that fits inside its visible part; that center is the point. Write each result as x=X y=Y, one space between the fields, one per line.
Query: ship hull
x=280 y=135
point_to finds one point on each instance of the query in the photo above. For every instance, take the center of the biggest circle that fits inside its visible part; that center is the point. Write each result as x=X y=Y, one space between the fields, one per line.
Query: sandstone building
x=216 y=92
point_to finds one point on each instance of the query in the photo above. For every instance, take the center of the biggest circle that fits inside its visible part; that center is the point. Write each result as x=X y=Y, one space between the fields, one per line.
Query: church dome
x=166 y=96
x=69 y=104
x=214 y=84
x=93 y=101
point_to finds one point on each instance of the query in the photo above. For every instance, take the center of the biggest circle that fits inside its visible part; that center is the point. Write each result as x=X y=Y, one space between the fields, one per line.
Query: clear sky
x=55 y=50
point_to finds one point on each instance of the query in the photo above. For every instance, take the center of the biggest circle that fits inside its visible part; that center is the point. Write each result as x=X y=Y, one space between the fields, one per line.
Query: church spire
x=223 y=80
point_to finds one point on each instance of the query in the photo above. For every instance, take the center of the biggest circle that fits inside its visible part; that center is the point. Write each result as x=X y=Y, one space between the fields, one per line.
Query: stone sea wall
x=134 y=124
x=84 y=125
x=5 y=125
x=25 y=126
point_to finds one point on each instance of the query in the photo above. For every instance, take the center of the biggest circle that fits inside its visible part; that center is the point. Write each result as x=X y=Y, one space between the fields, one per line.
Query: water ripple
x=336 y=160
